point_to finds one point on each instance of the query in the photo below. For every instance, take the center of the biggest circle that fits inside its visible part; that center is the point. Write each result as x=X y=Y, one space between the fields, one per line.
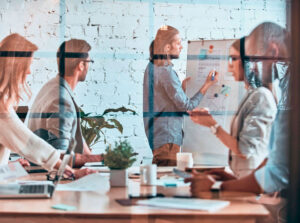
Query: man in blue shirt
x=164 y=99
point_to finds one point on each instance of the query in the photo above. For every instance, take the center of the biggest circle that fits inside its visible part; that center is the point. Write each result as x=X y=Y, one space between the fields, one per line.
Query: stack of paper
x=12 y=170
x=186 y=203
x=92 y=182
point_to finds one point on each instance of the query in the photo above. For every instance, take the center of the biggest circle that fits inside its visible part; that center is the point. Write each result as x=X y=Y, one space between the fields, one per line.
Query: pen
x=213 y=75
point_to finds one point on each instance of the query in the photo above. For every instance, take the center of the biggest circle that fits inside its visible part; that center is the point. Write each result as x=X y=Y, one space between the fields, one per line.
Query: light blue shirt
x=164 y=103
x=274 y=176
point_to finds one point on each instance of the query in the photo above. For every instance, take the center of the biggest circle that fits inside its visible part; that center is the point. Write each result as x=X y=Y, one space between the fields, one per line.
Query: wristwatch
x=214 y=128
x=216 y=187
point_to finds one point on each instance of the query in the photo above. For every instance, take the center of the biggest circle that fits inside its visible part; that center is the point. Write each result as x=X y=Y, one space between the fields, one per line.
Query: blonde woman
x=16 y=55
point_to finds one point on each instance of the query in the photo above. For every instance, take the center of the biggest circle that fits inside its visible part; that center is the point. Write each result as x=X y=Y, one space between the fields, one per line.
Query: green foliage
x=92 y=126
x=121 y=157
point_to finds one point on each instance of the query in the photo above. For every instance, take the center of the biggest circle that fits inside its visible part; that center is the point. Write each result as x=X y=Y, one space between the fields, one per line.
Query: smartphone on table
x=181 y=173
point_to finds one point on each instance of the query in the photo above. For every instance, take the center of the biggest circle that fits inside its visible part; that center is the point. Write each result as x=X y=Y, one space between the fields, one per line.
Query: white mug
x=148 y=174
x=184 y=160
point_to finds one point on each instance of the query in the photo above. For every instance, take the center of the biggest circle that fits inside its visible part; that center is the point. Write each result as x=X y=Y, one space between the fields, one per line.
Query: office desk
x=101 y=207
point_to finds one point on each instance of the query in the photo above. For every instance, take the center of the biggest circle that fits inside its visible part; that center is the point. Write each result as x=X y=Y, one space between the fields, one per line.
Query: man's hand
x=83 y=172
x=210 y=80
x=81 y=159
x=86 y=149
x=183 y=85
x=200 y=183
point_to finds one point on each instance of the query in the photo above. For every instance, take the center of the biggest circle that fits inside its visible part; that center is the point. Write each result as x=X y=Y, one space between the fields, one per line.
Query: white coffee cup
x=148 y=174
x=184 y=160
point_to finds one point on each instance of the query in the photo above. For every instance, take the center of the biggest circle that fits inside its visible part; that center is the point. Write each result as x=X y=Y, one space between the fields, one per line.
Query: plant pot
x=119 y=178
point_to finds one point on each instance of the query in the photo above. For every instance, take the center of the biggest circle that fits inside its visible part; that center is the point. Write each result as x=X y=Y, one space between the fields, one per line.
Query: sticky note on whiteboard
x=225 y=90
x=203 y=54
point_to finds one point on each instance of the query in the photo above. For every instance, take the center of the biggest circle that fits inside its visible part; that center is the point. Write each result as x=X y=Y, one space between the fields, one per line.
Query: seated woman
x=15 y=60
x=251 y=126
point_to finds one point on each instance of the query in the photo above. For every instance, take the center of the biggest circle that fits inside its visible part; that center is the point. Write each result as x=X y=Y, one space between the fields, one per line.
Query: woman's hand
x=202 y=117
x=184 y=82
x=23 y=162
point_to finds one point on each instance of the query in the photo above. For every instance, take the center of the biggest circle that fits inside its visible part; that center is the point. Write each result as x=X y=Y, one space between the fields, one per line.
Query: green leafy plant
x=120 y=157
x=92 y=126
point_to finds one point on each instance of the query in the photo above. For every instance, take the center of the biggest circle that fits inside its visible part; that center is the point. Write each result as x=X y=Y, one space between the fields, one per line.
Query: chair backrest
x=22 y=112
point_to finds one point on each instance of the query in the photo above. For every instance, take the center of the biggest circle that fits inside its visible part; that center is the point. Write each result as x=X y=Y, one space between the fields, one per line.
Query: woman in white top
x=16 y=55
x=251 y=126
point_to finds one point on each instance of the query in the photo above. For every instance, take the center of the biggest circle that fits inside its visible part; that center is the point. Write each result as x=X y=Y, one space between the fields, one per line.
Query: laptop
x=34 y=189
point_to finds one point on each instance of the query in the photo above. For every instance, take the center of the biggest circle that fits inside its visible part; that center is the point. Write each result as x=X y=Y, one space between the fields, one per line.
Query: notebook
x=185 y=203
x=34 y=189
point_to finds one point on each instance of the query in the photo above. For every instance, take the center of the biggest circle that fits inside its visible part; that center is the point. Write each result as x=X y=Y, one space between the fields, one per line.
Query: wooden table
x=101 y=207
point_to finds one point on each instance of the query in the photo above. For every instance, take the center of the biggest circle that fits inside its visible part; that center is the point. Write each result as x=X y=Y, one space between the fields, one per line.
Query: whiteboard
x=222 y=100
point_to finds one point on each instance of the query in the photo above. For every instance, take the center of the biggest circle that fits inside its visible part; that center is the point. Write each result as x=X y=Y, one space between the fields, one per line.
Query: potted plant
x=92 y=126
x=118 y=159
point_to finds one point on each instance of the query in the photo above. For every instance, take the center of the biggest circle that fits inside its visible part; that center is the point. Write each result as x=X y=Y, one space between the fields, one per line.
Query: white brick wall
x=119 y=32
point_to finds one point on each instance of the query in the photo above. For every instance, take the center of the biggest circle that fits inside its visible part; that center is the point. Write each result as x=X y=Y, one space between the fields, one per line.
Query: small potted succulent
x=119 y=159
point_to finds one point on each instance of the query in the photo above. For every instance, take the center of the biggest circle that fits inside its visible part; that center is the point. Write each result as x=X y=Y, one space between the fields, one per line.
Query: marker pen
x=213 y=75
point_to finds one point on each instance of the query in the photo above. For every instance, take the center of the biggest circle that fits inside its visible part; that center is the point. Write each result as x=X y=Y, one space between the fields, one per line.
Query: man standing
x=54 y=115
x=164 y=99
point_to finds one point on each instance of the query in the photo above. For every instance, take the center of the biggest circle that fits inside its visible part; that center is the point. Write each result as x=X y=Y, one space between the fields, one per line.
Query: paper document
x=92 y=164
x=11 y=171
x=105 y=169
x=183 y=203
x=92 y=182
x=165 y=169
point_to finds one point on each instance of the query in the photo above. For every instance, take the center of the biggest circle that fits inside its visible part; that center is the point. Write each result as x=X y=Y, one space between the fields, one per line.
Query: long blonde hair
x=15 y=58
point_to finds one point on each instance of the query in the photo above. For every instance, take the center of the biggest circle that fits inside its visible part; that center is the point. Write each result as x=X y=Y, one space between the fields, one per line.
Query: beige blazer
x=252 y=127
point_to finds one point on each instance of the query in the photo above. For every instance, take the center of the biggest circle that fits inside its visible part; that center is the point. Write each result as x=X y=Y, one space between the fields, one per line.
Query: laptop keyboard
x=32 y=189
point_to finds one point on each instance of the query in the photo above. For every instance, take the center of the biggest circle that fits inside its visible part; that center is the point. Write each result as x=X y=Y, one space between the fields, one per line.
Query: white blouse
x=252 y=127
x=16 y=137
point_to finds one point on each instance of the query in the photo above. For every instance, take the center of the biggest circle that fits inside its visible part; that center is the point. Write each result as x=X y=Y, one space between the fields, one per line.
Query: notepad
x=93 y=164
x=12 y=170
x=186 y=203
x=91 y=182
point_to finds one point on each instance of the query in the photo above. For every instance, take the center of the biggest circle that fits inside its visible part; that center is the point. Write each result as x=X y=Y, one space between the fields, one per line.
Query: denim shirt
x=274 y=176
x=164 y=104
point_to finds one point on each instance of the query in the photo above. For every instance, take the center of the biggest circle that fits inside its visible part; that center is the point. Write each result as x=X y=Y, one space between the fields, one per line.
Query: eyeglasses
x=89 y=61
x=53 y=176
x=231 y=59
